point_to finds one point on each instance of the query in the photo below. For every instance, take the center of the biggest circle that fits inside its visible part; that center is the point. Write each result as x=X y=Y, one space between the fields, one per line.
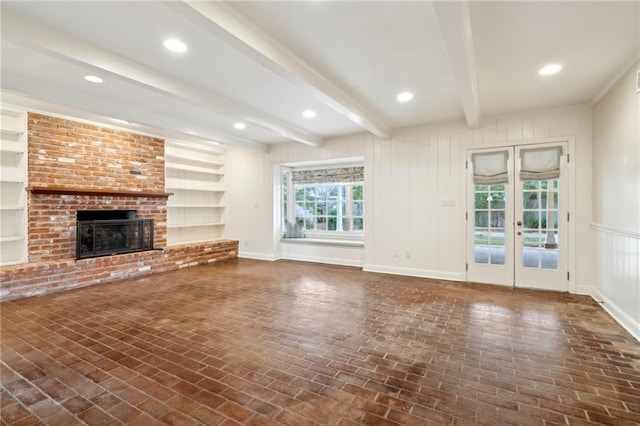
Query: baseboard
x=411 y=272
x=327 y=260
x=584 y=290
x=617 y=314
x=258 y=256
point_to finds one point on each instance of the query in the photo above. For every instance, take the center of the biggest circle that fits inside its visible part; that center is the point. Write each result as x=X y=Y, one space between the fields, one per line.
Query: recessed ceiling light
x=175 y=45
x=550 y=69
x=404 y=96
x=309 y=114
x=93 y=79
x=239 y=125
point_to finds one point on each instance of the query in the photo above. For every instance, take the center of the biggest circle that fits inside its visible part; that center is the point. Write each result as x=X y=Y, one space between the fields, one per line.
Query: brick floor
x=259 y=343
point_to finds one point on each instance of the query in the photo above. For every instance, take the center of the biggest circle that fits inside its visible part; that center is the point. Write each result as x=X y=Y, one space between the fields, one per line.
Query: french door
x=517 y=216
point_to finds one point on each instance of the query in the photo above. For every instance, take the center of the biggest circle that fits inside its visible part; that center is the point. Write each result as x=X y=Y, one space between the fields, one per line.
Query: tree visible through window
x=330 y=206
x=329 y=200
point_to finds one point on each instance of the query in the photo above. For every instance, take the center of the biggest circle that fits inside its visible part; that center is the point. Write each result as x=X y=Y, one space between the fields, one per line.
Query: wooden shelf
x=12 y=132
x=196 y=175
x=194 y=225
x=200 y=157
x=193 y=206
x=80 y=191
x=12 y=150
x=12 y=238
x=185 y=188
x=196 y=169
x=13 y=179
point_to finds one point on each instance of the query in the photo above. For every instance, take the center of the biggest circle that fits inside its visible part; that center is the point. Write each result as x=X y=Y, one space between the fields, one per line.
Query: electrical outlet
x=407 y=253
x=245 y=243
x=394 y=253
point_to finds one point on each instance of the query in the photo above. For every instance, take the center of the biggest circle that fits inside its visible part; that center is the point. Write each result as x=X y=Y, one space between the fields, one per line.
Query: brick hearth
x=75 y=166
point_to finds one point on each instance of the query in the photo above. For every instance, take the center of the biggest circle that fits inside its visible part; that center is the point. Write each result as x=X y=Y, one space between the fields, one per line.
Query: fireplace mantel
x=62 y=190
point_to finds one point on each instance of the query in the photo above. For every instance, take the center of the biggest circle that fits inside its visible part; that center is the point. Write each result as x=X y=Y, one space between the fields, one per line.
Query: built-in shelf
x=194 y=225
x=194 y=206
x=13 y=178
x=188 y=188
x=193 y=155
x=83 y=191
x=11 y=132
x=196 y=169
x=189 y=184
x=12 y=238
x=196 y=174
x=11 y=150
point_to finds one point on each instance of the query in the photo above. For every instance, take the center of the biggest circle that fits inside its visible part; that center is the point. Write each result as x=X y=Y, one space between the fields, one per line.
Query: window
x=329 y=200
x=490 y=223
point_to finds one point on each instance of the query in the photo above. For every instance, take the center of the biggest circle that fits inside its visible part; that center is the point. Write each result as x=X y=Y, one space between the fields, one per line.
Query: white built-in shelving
x=195 y=175
x=13 y=182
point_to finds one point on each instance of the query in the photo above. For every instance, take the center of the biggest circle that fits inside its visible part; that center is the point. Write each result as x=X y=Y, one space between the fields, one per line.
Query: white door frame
x=570 y=194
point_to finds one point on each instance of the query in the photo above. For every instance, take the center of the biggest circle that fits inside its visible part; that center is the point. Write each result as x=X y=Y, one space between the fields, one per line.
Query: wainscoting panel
x=618 y=275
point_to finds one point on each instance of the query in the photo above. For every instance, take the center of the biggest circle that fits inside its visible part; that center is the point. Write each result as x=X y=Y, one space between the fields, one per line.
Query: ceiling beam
x=23 y=31
x=454 y=20
x=264 y=49
x=148 y=127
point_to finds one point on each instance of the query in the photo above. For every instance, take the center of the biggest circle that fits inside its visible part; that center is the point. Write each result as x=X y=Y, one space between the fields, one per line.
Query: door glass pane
x=482 y=219
x=481 y=242
x=540 y=224
x=489 y=221
x=530 y=200
x=497 y=243
x=531 y=238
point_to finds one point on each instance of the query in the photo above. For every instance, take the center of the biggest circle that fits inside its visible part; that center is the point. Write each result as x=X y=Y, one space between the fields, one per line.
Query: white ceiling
x=264 y=63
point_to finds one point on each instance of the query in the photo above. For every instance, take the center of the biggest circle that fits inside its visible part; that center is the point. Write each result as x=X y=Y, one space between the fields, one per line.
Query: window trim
x=348 y=200
x=353 y=238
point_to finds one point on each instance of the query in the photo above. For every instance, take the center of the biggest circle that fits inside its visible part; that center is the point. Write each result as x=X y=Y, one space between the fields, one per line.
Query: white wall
x=616 y=211
x=405 y=179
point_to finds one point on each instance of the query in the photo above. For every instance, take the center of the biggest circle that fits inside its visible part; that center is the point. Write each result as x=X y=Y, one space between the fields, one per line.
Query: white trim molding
x=420 y=273
x=617 y=231
x=258 y=256
x=621 y=317
x=605 y=89
x=617 y=286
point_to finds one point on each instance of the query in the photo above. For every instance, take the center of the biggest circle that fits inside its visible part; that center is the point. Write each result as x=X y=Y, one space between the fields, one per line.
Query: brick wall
x=76 y=155
x=32 y=279
x=52 y=221
x=73 y=155
x=65 y=153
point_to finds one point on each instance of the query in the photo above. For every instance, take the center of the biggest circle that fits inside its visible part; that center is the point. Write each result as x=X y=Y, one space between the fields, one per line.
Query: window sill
x=324 y=241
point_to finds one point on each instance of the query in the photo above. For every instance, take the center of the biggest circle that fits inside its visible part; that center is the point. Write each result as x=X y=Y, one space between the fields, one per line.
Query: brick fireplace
x=73 y=167
x=108 y=232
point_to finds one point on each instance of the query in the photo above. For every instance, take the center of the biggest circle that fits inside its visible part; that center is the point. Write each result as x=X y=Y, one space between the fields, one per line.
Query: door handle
x=519 y=233
x=519 y=223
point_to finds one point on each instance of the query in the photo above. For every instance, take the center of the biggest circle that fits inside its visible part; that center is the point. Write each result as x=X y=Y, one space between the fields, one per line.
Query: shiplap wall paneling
x=618 y=274
x=406 y=179
x=249 y=202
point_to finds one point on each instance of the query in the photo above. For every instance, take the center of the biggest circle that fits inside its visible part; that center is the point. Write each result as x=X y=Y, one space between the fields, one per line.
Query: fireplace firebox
x=104 y=233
